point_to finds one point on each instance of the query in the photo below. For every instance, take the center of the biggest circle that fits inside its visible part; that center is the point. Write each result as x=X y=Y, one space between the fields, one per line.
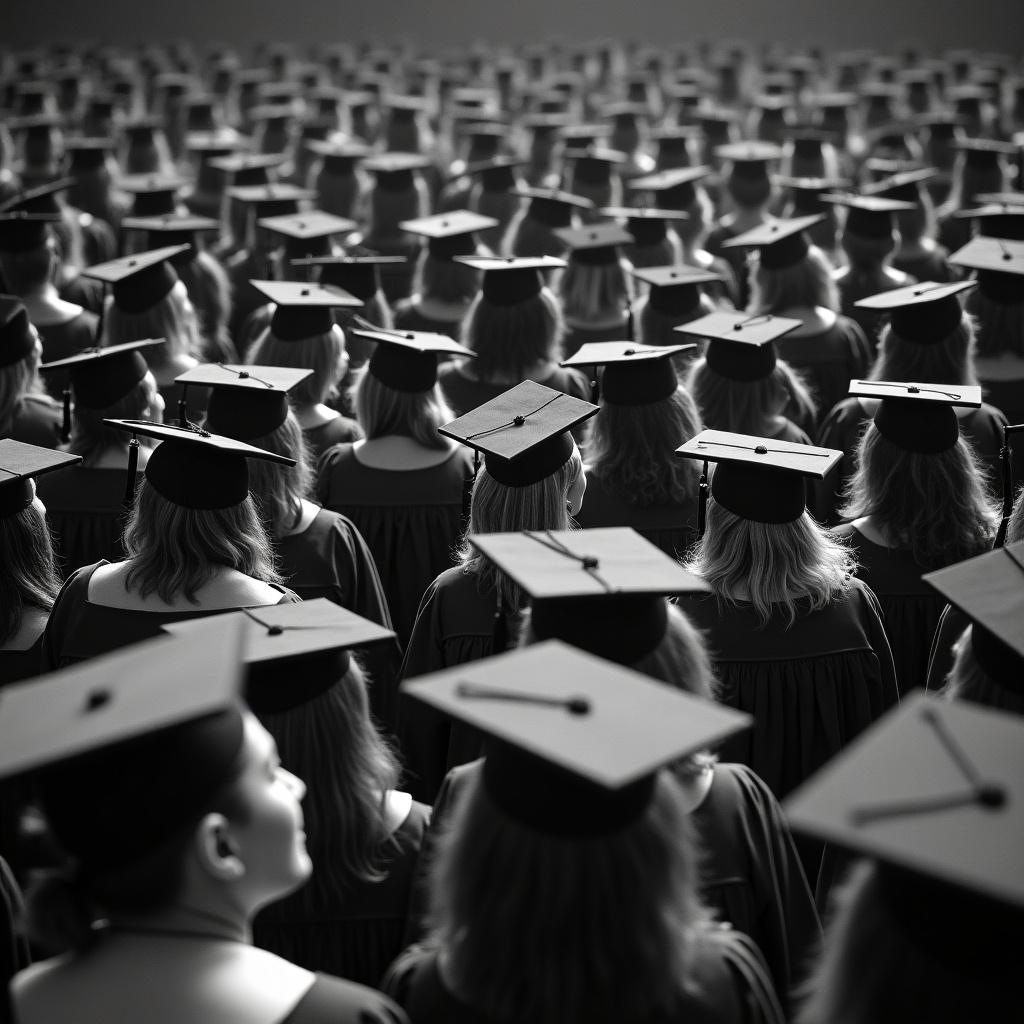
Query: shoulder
x=331 y=1000
x=849 y=330
x=338 y=454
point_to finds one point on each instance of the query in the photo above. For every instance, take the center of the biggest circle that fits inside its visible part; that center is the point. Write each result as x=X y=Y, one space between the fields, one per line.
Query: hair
x=90 y=435
x=694 y=228
x=388 y=209
x=526 y=236
x=590 y=292
x=967 y=680
x=382 y=411
x=749 y=193
x=499 y=509
x=324 y=354
x=277 y=489
x=631 y=449
x=172 y=319
x=70 y=243
x=769 y=565
x=653 y=327
x=174 y=550
x=1000 y=326
x=807 y=283
x=969 y=182
x=935 y=505
x=744 y=406
x=209 y=289
x=668 y=251
x=445 y=280
x=871 y=972
x=93 y=193
x=601 y=194
x=626 y=906
x=867 y=256
x=918 y=223
x=332 y=744
x=27 y=273
x=18 y=380
x=29 y=578
x=508 y=340
x=949 y=360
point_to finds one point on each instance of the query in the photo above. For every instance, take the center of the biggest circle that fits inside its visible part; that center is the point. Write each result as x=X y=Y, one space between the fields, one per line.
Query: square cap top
x=524 y=432
x=305 y=295
x=281 y=191
x=869 y=203
x=639 y=213
x=996 y=220
x=935 y=787
x=1001 y=198
x=311 y=224
x=237 y=163
x=396 y=163
x=967 y=396
x=261 y=379
x=992 y=256
x=599 y=721
x=583 y=132
x=724 y=446
x=869 y=216
x=609 y=353
x=146 y=184
x=596 y=155
x=774 y=232
x=724 y=325
x=509 y=280
x=925 y=312
x=921 y=294
x=196 y=440
x=554 y=195
x=449 y=225
x=597 y=243
x=674 y=276
x=339 y=150
x=122 y=269
x=407 y=360
x=138 y=690
x=753 y=152
x=171 y=224
x=662 y=181
x=414 y=341
x=41 y=199
x=102 y=376
x=904 y=184
x=20 y=463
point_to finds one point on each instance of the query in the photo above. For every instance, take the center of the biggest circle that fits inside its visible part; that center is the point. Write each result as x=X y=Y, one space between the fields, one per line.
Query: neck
x=186 y=922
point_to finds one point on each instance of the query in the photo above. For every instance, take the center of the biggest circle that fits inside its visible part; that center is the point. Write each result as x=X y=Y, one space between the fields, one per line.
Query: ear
x=216 y=849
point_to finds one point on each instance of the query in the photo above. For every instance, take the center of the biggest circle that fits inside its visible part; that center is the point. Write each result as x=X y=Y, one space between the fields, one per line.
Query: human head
x=172 y=318
x=590 y=292
x=382 y=411
x=324 y=354
x=90 y=435
x=943 y=360
x=29 y=577
x=968 y=680
x=807 y=283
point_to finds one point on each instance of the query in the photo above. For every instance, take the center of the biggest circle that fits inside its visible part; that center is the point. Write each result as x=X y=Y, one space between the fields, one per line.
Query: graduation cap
x=308 y=233
x=293 y=653
x=551 y=206
x=139 y=281
x=394 y=172
x=20 y=464
x=904 y=185
x=634 y=374
x=509 y=280
x=933 y=793
x=407 y=360
x=248 y=169
x=918 y=417
x=926 y=312
x=194 y=468
x=245 y=402
x=675 y=188
x=41 y=199
x=989 y=589
x=996 y=220
x=497 y=174
x=809 y=194
x=303 y=309
x=582 y=136
x=523 y=433
x=86 y=154
x=601 y=590
x=647 y=225
x=870 y=216
x=740 y=345
x=999 y=263
x=153 y=195
x=595 y=164
x=182 y=229
x=781 y=243
x=131 y=747
x=760 y=479
x=338 y=157
x=574 y=741
x=450 y=234
x=24 y=232
x=984 y=154
x=674 y=289
x=749 y=159
x=596 y=244
x=276 y=199
x=357 y=275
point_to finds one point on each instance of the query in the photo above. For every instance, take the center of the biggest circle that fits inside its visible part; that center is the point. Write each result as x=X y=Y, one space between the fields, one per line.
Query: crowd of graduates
x=525 y=533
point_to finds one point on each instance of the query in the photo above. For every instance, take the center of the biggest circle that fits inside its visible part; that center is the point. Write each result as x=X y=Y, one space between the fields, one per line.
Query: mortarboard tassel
x=499 y=637
x=702 y=501
x=467 y=491
x=65 y=430
x=1006 y=471
x=629 y=322
x=133 y=469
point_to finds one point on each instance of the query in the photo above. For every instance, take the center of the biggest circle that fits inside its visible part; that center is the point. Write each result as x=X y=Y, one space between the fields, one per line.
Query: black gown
x=340 y=430
x=38 y=420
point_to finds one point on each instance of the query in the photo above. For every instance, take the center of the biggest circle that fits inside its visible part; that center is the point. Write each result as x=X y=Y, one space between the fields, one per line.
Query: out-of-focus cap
x=996 y=220
x=983 y=154
x=174 y=229
x=750 y=159
x=870 y=216
x=647 y=225
x=781 y=243
x=904 y=185
x=450 y=234
x=552 y=206
x=395 y=172
x=23 y=232
x=999 y=263
x=634 y=374
x=575 y=740
x=596 y=244
x=497 y=174
x=139 y=281
x=509 y=280
x=760 y=479
x=102 y=376
x=675 y=187
x=357 y=275
x=152 y=194
x=303 y=309
x=20 y=464
x=87 y=154
x=407 y=360
x=594 y=165
x=740 y=345
x=247 y=169
x=41 y=199
x=675 y=289
x=130 y=747
x=523 y=433
x=926 y=312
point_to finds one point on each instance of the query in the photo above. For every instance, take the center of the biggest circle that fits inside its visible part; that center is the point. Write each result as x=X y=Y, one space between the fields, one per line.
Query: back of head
x=29 y=579
x=967 y=680
x=324 y=354
x=948 y=360
x=279 y=490
x=592 y=292
x=384 y=411
x=805 y=284
x=509 y=340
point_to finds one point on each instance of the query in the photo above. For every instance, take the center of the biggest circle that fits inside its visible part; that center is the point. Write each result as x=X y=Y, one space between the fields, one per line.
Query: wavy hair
x=29 y=578
x=90 y=436
x=324 y=354
x=771 y=565
x=209 y=288
x=174 y=551
x=626 y=906
x=590 y=293
x=17 y=381
x=949 y=360
x=967 y=680
x=745 y=406
x=631 y=450
x=508 y=340
x=499 y=509
x=653 y=327
x=277 y=489
x=807 y=283
x=382 y=411
x=172 y=319
x=446 y=280
x=937 y=506
x=1000 y=326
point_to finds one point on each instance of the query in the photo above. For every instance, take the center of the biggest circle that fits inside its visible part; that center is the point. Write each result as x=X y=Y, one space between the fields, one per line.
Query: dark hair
x=445 y=280
x=28 y=575
x=1000 y=326
x=278 y=490
x=509 y=339
x=90 y=436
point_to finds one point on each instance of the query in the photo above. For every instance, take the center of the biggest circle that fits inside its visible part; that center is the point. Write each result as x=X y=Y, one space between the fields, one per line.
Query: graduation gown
x=340 y=430
x=37 y=420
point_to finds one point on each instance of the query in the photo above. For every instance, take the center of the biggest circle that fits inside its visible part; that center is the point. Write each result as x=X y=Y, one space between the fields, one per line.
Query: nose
x=294 y=783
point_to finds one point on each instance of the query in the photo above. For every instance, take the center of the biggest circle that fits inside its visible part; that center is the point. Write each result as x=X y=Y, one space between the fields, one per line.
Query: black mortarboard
x=984 y=154
x=675 y=289
x=551 y=206
x=102 y=376
x=647 y=225
x=357 y=275
x=903 y=185
x=596 y=244
x=999 y=263
x=781 y=243
x=450 y=234
x=395 y=172
x=41 y=199
x=926 y=312
x=749 y=159
x=675 y=188
x=23 y=232
x=634 y=374
x=870 y=216
x=308 y=233
x=339 y=157
x=740 y=345
x=20 y=464
x=509 y=280
x=87 y=154
x=247 y=169
x=303 y=310
x=139 y=281
x=594 y=165
x=523 y=433
x=760 y=479
x=996 y=220
x=153 y=195
x=407 y=360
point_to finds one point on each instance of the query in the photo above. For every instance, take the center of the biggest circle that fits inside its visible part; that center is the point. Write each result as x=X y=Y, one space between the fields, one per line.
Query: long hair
x=508 y=340
x=445 y=280
x=172 y=319
x=499 y=509
x=694 y=228
x=867 y=257
x=591 y=293
x=278 y=490
x=936 y=506
x=969 y=182
x=29 y=577
x=771 y=565
x=745 y=406
x=332 y=744
x=631 y=450
x=26 y=273
x=805 y=284
x=668 y=251
x=918 y=223
x=967 y=680
x=1000 y=326
x=382 y=411
x=324 y=354
x=90 y=436
x=209 y=288
x=388 y=209
x=18 y=380
x=527 y=236
x=174 y=550
x=949 y=360
x=553 y=930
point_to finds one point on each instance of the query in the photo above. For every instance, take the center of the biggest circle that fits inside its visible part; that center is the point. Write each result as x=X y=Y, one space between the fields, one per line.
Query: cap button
x=518 y=420
x=275 y=630
x=132 y=263
x=305 y=291
x=761 y=450
x=243 y=374
x=630 y=352
x=96 y=700
x=913 y=390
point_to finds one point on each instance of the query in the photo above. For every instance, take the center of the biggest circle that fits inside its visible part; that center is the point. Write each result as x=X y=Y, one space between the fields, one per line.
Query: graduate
x=27 y=413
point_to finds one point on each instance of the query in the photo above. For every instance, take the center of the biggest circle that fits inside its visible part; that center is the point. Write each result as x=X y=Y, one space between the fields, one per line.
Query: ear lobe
x=216 y=850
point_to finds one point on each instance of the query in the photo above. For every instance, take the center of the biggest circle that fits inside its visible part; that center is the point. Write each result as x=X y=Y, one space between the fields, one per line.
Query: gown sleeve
x=62 y=615
x=879 y=641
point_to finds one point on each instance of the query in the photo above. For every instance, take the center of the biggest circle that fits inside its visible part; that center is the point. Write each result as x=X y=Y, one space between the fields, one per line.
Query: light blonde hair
x=948 y=360
x=277 y=489
x=808 y=283
x=170 y=319
x=508 y=340
x=17 y=381
x=383 y=411
x=324 y=354
x=967 y=680
x=594 y=292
